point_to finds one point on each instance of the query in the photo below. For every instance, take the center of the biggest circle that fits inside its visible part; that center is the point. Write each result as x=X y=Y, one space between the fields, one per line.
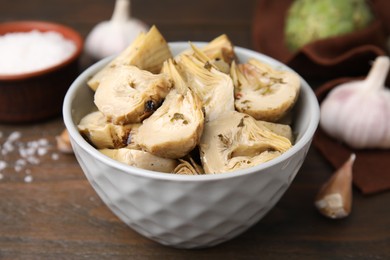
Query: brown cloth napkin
x=334 y=60
x=340 y=56
x=371 y=170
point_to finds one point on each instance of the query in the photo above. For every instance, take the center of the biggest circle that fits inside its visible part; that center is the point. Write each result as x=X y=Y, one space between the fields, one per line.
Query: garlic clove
x=63 y=142
x=334 y=200
x=111 y=37
x=108 y=39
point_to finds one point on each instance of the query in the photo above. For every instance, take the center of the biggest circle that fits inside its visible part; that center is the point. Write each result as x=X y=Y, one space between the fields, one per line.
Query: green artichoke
x=309 y=20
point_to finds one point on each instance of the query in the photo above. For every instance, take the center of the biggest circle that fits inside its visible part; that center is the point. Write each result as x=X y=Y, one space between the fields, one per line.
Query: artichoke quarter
x=147 y=52
x=214 y=87
x=236 y=141
x=264 y=92
x=128 y=94
x=188 y=166
x=104 y=134
x=219 y=53
x=174 y=129
x=141 y=159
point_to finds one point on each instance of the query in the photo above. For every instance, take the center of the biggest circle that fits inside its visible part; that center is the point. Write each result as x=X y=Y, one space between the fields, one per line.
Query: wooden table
x=48 y=210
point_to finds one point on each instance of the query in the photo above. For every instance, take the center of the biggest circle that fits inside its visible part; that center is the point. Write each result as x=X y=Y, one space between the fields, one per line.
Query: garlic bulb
x=358 y=112
x=111 y=37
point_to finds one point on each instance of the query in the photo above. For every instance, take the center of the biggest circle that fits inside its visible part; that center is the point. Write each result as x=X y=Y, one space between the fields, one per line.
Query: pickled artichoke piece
x=141 y=159
x=129 y=94
x=221 y=48
x=147 y=52
x=262 y=91
x=219 y=52
x=241 y=162
x=279 y=129
x=174 y=129
x=214 y=88
x=103 y=134
x=235 y=141
x=188 y=167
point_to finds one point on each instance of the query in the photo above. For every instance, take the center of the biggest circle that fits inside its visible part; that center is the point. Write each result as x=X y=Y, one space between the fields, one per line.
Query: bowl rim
x=42 y=26
x=87 y=147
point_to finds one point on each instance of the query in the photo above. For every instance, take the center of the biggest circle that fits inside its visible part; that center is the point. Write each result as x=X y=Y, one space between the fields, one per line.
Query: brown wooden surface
x=58 y=215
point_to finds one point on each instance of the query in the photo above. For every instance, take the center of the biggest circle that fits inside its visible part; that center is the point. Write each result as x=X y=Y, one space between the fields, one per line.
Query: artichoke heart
x=262 y=91
x=129 y=94
x=278 y=128
x=218 y=52
x=220 y=49
x=214 y=88
x=236 y=141
x=147 y=52
x=141 y=159
x=103 y=134
x=188 y=167
x=174 y=129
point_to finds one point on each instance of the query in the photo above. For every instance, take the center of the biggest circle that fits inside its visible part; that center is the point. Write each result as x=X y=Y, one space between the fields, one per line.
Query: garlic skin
x=358 y=112
x=334 y=199
x=111 y=37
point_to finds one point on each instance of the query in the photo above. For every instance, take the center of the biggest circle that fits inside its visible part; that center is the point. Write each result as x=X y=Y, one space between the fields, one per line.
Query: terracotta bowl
x=38 y=95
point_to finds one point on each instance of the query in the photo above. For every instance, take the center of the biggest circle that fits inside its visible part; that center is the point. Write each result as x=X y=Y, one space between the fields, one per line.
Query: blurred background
x=199 y=20
x=255 y=24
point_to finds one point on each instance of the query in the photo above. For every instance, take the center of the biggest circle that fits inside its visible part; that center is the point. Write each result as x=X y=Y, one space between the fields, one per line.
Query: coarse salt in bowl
x=39 y=62
x=189 y=211
x=25 y=52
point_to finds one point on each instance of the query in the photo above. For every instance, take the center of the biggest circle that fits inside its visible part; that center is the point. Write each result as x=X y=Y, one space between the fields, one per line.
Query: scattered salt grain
x=55 y=156
x=28 y=178
x=30 y=153
x=20 y=164
x=33 y=160
x=41 y=151
x=18 y=168
x=43 y=142
x=25 y=152
x=14 y=136
x=9 y=144
x=3 y=165
x=23 y=52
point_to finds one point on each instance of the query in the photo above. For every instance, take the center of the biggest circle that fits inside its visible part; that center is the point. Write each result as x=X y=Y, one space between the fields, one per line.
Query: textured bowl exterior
x=38 y=95
x=189 y=211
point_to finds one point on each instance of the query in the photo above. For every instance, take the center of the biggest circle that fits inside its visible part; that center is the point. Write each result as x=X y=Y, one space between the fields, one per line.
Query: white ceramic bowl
x=189 y=211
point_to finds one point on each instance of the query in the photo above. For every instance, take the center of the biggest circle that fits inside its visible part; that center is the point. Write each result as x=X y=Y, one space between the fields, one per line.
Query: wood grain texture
x=59 y=216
